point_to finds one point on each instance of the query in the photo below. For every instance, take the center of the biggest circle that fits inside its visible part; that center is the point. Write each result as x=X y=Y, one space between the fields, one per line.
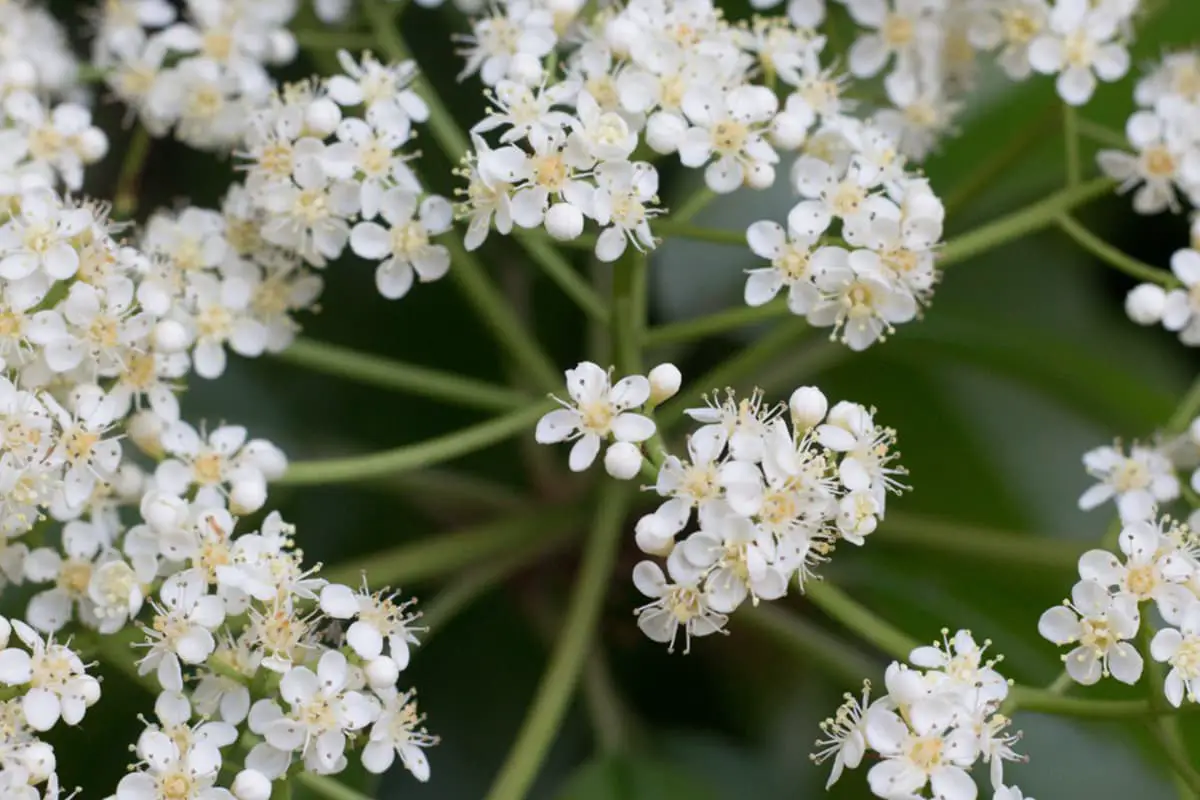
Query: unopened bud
x=251 y=785
x=322 y=116
x=1144 y=304
x=382 y=672
x=808 y=406
x=664 y=383
x=623 y=460
x=564 y=222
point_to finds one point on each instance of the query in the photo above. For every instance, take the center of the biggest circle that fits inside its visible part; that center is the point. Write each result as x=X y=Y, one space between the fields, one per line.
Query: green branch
x=1014 y=549
x=414 y=456
x=445 y=553
x=373 y=370
x=668 y=228
x=1035 y=217
x=570 y=651
x=839 y=606
x=720 y=322
x=125 y=198
x=1112 y=256
x=560 y=271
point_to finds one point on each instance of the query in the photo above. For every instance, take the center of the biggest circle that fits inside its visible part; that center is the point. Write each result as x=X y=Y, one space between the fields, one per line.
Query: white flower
x=736 y=560
x=899 y=28
x=321 y=713
x=186 y=775
x=1181 y=649
x=182 y=627
x=1100 y=624
x=730 y=126
x=1181 y=310
x=378 y=619
x=222 y=316
x=790 y=256
x=623 y=190
x=1156 y=169
x=399 y=731
x=38 y=237
x=926 y=750
x=1153 y=569
x=1011 y=26
x=1080 y=46
x=60 y=687
x=598 y=410
x=845 y=735
x=404 y=245
x=676 y=604
x=1139 y=482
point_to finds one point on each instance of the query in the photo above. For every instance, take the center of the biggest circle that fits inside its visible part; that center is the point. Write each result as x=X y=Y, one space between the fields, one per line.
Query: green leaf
x=623 y=777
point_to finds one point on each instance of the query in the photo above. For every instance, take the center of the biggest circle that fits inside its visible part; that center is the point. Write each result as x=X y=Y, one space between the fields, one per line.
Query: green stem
x=786 y=335
x=414 y=456
x=1071 y=137
x=611 y=718
x=570 y=651
x=449 y=552
x=668 y=228
x=1166 y=728
x=985 y=175
x=1013 y=549
x=125 y=198
x=1102 y=134
x=378 y=371
x=1044 y=702
x=559 y=270
x=504 y=324
x=476 y=582
x=325 y=786
x=1112 y=256
x=1186 y=411
x=315 y=39
x=816 y=646
x=1035 y=217
x=627 y=325
x=858 y=618
x=693 y=205
x=468 y=272
x=720 y=322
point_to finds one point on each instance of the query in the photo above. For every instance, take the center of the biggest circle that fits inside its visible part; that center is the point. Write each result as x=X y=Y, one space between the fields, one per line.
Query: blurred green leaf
x=626 y=777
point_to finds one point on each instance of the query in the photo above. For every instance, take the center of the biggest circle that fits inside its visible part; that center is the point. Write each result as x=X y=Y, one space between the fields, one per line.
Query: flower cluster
x=42 y=145
x=37 y=55
x=1161 y=565
x=773 y=489
x=1162 y=131
x=199 y=75
x=51 y=685
x=939 y=717
x=318 y=179
x=890 y=223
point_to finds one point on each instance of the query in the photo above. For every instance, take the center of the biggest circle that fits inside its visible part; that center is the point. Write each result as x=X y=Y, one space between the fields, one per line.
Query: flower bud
x=322 y=116
x=90 y=690
x=654 y=536
x=760 y=176
x=1144 y=304
x=664 y=132
x=92 y=145
x=5 y=632
x=170 y=336
x=564 y=222
x=145 y=429
x=281 y=47
x=251 y=785
x=382 y=672
x=664 y=383
x=163 y=512
x=527 y=69
x=623 y=460
x=247 y=496
x=38 y=758
x=808 y=406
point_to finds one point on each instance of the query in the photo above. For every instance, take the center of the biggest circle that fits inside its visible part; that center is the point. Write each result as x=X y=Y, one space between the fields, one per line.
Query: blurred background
x=1024 y=361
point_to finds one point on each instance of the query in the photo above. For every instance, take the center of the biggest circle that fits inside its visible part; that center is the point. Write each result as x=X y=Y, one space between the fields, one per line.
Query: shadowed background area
x=1024 y=361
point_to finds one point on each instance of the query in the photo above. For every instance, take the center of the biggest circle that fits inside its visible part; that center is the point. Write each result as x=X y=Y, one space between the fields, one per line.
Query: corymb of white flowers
x=144 y=540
